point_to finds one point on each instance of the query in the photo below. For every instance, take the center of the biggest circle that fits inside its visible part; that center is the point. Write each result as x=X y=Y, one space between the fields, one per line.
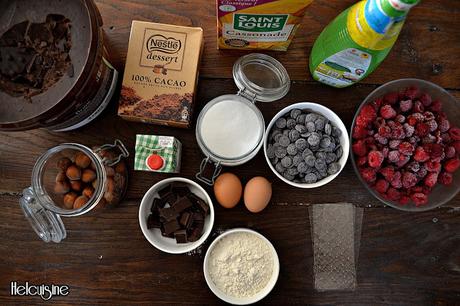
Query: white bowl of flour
x=241 y=266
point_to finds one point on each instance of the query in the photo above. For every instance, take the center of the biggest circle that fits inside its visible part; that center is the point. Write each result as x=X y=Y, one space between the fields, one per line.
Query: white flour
x=230 y=129
x=241 y=264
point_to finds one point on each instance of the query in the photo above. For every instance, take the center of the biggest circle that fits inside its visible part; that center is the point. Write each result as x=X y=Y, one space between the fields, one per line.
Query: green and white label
x=259 y=23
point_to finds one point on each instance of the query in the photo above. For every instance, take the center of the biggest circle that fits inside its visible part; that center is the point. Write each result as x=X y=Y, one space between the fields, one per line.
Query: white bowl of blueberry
x=306 y=145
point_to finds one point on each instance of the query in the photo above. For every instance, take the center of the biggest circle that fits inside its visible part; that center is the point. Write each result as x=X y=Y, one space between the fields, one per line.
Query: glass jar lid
x=261 y=77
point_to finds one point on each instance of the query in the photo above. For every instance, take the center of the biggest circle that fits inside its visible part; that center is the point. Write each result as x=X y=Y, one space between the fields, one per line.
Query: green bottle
x=357 y=41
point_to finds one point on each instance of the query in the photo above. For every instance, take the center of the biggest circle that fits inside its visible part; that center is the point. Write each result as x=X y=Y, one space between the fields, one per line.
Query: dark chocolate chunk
x=182 y=204
x=170 y=198
x=156 y=205
x=181 y=236
x=164 y=191
x=200 y=203
x=168 y=213
x=195 y=234
x=170 y=227
x=180 y=189
x=153 y=221
x=185 y=218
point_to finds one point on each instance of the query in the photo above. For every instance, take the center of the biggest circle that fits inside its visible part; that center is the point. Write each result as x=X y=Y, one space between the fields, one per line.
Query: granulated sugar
x=230 y=129
x=241 y=264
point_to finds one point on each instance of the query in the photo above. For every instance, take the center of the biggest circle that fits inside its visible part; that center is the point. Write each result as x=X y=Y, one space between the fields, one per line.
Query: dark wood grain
x=405 y=259
x=426 y=48
x=20 y=150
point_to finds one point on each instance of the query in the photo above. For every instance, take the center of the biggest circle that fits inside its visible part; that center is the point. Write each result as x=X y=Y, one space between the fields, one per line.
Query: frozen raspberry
x=359 y=148
x=429 y=139
x=425 y=99
x=380 y=139
x=418 y=107
x=397 y=132
x=419 y=198
x=431 y=179
x=450 y=152
x=377 y=103
x=454 y=133
x=400 y=118
x=385 y=131
x=408 y=129
x=414 y=139
x=414 y=118
x=420 y=155
x=387 y=112
x=391 y=98
x=388 y=173
x=394 y=143
x=366 y=115
x=432 y=166
x=369 y=141
x=443 y=125
x=380 y=122
x=405 y=105
x=368 y=174
x=403 y=159
x=359 y=132
x=385 y=151
x=445 y=178
x=375 y=159
x=433 y=125
x=393 y=194
x=382 y=186
x=422 y=129
x=404 y=200
x=362 y=161
x=421 y=173
x=406 y=148
x=416 y=189
x=428 y=116
x=396 y=182
x=413 y=166
x=435 y=150
x=452 y=165
x=456 y=145
x=409 y=180
x=436 y=106
x=393 y=156
x=411 y=92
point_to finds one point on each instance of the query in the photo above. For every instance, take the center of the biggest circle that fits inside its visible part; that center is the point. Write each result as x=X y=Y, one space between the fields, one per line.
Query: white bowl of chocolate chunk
x=306 y=145
x=176 y=215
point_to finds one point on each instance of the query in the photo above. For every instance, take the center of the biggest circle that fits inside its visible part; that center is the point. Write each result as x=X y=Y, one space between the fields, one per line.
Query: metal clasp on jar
x=206 y=163
x=112 y=161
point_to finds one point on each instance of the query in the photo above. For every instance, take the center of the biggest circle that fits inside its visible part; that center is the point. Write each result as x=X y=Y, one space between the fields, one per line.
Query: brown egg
x=228 y=190
x=257 y=194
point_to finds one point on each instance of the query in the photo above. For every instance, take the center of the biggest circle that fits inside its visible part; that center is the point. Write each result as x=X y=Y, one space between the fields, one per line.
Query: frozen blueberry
x=320 y=155
x=306 y=153
x=331 y=148
x=333 y=168
x=301 y=144
x=280 y=151
x=277 y=137
x=310 y=160
x=314 y=148
x=286 y=132
x=270 y=151
x=274 y=133
x=314 y=139
x=287 y=176
x=305 y=135
x=294 y=135
x=339 y=151
x=292 y=171
x=302 y=167
x=301 y=128
x=291 y=149
x=280 y=123
x=325 y=142
x=295 y=113
x=301 y=119
x=322 y=173
x=320 y=123
x=284 y=141
x=330 y=158
x=336 y=132
x=274 y=160
x=310 y=126
x=286 y=162
x=279 y=167
x=290 y=123
x=310 y=178
x=296 y=160
x=328 y=129
x=311 y=117
x=320 y=164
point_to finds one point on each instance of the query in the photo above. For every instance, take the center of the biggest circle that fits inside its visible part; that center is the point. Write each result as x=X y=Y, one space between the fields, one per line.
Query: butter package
x=161 y=74
x=157 y=153
x=258 y=24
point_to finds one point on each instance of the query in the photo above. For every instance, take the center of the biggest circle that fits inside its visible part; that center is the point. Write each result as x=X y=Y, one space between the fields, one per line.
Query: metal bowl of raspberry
x=405 y=144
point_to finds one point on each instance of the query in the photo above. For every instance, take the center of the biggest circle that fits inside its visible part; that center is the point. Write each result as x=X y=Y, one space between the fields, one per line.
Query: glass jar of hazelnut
x=70 y=180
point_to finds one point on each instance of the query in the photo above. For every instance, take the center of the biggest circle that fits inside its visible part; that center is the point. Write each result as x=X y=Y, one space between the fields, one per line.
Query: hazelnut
x=80 y=201
x=109 y=196
x=69 y=199
x=73 y=173
x=76 y=185
x=61 y=177
x=95 y=183
x=120 y=168
x=61 y=187
x=110 y=185
x=64 y=163
x=88 y=176
x=93 y=166
x=82 y=160
x=88 y=192
x=110 y=171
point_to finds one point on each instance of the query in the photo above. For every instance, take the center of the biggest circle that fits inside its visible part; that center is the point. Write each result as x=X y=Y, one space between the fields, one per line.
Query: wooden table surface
x=405 y=258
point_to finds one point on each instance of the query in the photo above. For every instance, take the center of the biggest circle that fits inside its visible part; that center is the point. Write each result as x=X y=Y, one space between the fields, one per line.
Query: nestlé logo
x=163 y=44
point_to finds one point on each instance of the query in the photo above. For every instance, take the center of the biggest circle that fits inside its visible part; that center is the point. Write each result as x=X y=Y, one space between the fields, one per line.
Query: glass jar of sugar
x=230 y=128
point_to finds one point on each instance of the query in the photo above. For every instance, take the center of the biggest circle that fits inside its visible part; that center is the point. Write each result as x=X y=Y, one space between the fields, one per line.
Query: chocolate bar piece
x=202 y=205
x=170 y=227
x=156 y=205
x=168 y=213
x=185 y=218
x=182 y=204
x=195 y=233
x=164 y=191
x=180 y=189
x=181 y=236
x=153 y=221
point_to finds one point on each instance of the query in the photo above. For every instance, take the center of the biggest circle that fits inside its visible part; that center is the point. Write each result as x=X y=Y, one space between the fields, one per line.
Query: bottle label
x=343 y=68
x=370 y=28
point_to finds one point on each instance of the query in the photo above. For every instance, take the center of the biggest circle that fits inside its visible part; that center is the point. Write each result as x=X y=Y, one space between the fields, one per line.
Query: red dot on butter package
x=157 y=154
